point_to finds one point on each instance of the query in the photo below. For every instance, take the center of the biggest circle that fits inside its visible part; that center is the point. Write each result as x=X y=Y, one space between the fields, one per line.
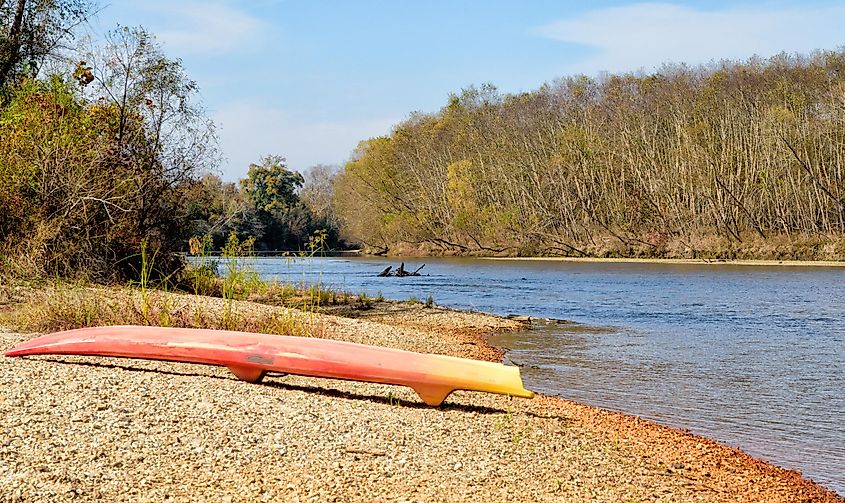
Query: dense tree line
x=280 y=208
x=728 y=160
x=104 y=150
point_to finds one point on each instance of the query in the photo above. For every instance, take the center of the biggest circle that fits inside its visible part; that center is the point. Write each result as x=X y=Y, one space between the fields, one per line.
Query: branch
x=809 y=171
x=754 y=222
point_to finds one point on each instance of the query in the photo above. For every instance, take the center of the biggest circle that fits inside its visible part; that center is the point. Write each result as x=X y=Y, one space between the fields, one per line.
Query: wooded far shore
x=733 y=160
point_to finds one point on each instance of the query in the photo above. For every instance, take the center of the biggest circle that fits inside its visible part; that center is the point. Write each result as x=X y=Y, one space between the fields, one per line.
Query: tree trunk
x=12 y=52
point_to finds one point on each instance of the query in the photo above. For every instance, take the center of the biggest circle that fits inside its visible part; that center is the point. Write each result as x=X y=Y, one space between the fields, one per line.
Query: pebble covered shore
x=86 y=428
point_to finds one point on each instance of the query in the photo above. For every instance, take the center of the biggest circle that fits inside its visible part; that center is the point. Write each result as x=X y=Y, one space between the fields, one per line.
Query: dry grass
x=311 y=299
x=238 y=280
x=216 y=302
x=68 y=306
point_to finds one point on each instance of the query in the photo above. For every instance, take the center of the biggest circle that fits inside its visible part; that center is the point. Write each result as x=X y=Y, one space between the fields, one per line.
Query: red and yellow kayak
x=249 y=356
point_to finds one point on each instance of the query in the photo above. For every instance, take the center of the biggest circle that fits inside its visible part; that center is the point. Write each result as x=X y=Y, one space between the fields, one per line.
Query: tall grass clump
x=239 y=276
x=145 y=274
x=200 y=276
x=429 y=302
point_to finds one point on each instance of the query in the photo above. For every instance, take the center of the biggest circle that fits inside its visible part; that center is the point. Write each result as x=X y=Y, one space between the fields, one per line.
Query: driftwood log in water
x=400 y=271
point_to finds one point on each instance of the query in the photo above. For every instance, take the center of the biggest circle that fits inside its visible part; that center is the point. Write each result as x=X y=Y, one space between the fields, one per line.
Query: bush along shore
x=100 y=428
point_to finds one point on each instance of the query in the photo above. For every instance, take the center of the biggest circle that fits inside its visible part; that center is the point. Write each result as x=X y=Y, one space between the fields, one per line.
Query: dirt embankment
x=119 y=429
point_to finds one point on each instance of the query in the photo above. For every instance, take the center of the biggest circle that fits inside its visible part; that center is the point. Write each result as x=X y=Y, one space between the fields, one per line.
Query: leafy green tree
x=218 y=209
x=272 y=188
x=73 y=209
x=271 y=185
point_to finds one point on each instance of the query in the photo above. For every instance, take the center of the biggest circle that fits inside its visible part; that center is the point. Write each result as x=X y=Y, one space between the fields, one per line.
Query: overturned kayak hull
x=249 y=356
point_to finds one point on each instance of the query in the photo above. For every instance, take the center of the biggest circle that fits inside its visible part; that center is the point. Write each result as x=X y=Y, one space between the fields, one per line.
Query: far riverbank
x=677 y=261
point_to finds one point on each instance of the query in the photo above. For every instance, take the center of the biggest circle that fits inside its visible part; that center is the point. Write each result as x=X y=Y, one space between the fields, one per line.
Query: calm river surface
x=750 y=356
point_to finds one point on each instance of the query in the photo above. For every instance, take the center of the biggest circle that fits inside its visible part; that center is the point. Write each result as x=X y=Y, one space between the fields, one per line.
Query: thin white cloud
x=249 y=131
x=194 y=28
x=646 y=35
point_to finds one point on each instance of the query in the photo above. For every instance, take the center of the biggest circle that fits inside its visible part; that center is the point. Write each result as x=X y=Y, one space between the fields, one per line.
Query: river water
x=750 y=356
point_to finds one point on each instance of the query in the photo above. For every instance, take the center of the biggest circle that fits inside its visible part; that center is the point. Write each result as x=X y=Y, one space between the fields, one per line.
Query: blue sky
x=309 y=79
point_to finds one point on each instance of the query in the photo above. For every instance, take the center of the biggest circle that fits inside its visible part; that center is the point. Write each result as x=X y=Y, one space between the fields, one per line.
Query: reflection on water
x=750 y=356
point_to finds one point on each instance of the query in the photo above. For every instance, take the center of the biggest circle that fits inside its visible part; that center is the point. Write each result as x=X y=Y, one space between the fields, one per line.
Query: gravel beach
x=86 y=428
